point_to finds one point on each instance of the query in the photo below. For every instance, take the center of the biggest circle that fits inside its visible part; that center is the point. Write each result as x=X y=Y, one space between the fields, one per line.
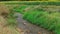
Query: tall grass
x=44 y=19
x=11 y=20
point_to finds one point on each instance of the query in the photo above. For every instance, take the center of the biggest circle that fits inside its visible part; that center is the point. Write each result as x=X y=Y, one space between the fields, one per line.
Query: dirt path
x=29 y=28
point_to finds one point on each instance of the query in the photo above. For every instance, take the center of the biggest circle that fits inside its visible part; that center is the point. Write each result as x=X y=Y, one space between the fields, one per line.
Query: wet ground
x=29 y=28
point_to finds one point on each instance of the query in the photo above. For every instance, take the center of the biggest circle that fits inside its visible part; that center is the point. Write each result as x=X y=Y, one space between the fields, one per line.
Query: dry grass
x=3 y=8
x=6 y=29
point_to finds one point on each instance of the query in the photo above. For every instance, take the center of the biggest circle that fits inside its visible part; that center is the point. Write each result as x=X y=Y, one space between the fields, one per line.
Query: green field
x=49 y=20
x=36 y=13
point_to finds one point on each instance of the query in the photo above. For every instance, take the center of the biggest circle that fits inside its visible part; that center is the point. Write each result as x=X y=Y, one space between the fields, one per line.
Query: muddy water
x=29 y=28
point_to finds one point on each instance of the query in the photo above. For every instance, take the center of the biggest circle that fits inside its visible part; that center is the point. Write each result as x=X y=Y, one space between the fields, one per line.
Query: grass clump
x=19 y=9
x=11 y=20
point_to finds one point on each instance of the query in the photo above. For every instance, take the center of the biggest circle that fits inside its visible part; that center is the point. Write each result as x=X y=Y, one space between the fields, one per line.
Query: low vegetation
x=46 y=19
x=7 y=21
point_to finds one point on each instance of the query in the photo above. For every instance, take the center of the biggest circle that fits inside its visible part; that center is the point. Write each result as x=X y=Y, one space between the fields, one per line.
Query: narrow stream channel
x=32 y=29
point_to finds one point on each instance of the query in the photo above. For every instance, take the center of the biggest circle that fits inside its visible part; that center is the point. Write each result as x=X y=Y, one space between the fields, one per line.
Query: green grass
x=49 y=21
x=31 y=3
x=44 y=19
x=20 y=9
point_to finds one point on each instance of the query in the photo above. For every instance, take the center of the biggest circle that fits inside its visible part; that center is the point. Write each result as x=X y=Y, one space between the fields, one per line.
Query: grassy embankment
x=46 y=19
